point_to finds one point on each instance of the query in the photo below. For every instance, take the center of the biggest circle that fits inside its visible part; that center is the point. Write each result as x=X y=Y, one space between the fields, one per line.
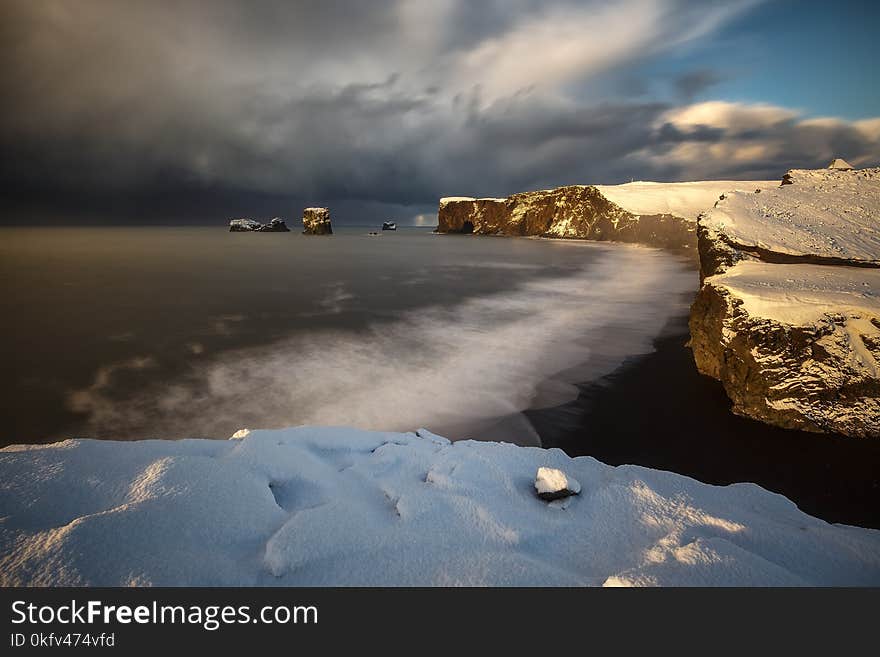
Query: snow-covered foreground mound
x=328 y=506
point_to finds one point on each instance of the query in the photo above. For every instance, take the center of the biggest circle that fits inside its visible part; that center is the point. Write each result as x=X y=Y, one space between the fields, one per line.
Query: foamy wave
x=452 y=370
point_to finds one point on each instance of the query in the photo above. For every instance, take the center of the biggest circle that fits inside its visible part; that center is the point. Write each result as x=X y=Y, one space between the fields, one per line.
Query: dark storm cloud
x=191 y=109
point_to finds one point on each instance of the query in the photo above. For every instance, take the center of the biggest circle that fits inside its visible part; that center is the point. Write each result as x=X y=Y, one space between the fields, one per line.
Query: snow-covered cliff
x=788 y=315
x=331 y=506
x=656 y=214
x=798 y=347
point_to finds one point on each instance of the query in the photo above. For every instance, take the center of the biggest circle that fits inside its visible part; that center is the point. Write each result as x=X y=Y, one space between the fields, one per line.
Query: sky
x=163 y=112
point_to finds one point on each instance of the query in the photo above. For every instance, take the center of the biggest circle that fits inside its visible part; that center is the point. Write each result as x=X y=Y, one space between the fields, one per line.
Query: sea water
x=130 y=333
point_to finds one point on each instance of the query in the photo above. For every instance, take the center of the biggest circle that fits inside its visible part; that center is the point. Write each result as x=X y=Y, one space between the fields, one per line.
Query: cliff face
x=316 y=221
x=576 y=211
x=788 y=314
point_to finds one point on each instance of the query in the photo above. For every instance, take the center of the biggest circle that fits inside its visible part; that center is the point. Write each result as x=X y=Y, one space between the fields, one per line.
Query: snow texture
x=821 y=213
x=799 y=294
x=683 y=199
x=334 y=506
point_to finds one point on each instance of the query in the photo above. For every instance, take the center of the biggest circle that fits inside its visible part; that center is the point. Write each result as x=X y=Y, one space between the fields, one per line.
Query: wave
x=465 y=372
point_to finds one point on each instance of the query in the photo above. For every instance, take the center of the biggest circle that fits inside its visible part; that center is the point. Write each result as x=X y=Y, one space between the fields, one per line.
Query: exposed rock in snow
x=332 y=506
x=788 y=317
x=656 y=214
x=316 y=221
x=552 y=484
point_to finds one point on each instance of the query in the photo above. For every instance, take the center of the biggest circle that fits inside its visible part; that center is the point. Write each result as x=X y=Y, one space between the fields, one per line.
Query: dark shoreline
x=657 y=411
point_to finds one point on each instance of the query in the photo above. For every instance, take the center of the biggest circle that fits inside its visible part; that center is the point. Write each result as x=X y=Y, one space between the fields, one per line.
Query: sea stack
x=316 y=221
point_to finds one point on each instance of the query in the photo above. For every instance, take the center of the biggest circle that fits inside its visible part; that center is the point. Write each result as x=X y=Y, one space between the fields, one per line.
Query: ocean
x=129 y=333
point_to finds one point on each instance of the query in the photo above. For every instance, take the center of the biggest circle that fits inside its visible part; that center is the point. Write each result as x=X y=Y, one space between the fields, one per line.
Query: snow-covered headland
x=332 y=506
x=654 y=214
x=788 y=315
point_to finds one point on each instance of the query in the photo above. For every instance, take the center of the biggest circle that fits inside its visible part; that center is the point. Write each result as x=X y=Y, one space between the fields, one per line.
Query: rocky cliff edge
x=788 y=313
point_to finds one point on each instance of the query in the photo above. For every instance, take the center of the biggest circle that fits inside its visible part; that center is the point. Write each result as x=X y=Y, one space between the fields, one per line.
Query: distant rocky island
x=275 y=225
x=788 y=313
x=316 y=221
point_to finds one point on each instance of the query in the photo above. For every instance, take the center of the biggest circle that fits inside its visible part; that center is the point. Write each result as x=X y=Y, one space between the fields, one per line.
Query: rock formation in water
x=243 y=225
x=316 y=221
x=788 y=314
x=656 y=214
x=275 y=225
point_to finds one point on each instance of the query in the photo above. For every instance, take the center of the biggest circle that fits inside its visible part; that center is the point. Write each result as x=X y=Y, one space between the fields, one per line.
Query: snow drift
x=332 y=506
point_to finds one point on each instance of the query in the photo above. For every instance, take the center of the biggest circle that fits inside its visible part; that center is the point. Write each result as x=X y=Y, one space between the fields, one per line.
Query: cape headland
x=788 y=313
x=655 y=214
